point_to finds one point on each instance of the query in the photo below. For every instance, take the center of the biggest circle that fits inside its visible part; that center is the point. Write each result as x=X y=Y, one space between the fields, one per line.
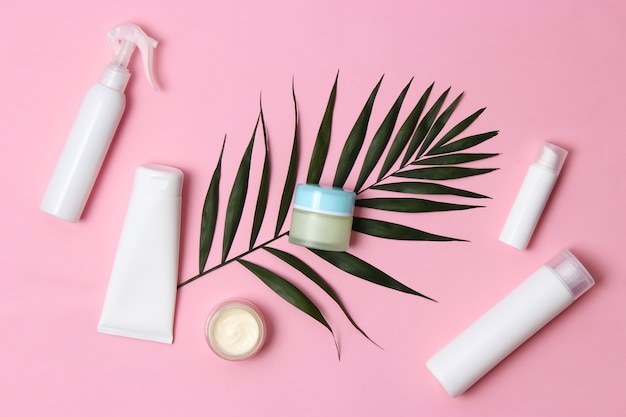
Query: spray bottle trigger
x=124 y=38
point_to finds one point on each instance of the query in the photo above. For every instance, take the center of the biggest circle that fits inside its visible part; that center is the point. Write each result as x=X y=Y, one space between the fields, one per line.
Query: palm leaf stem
x=390 y=174
x=228 y=261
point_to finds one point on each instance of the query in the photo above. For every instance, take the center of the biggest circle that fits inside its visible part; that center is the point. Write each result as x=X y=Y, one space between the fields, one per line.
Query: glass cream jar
x=322 y=217
x=235 y=329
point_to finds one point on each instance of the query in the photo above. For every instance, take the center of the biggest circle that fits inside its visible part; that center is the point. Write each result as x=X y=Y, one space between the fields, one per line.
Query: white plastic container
x=95 y=126
x=534 y=303
x=141 y=296
x=533 y=195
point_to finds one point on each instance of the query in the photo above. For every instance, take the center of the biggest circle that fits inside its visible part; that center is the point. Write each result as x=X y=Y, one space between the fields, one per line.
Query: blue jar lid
x=326 y=200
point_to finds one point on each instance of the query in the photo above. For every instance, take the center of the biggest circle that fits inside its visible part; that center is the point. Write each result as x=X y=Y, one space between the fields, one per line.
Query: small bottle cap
x=551 y=157
x=158 y=181
x=326 y=200
x=571 y=272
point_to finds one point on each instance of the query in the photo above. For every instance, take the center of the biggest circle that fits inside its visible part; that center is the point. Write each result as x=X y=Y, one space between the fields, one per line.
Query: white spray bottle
x=95 y=125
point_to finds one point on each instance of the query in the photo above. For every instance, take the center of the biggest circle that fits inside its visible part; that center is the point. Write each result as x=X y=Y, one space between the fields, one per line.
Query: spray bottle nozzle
x=124 y=38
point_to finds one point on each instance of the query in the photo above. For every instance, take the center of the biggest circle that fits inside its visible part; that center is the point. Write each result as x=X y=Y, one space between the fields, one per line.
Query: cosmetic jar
x=235 y=329
x=322 y=217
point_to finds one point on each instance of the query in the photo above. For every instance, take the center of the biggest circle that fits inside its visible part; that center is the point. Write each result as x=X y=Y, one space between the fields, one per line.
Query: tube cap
x=158 y=181
x=571 y=272
x=326 y=200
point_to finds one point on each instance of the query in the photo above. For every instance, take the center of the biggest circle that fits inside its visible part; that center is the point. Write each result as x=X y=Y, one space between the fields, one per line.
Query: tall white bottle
x=513 y=320
x=95 y=126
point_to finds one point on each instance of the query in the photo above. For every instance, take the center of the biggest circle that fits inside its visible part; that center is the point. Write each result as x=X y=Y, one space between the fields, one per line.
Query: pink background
x=545 y=70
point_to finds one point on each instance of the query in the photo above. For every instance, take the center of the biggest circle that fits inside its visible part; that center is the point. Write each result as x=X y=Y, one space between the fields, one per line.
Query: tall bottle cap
x=571 y=272
x=158 y=181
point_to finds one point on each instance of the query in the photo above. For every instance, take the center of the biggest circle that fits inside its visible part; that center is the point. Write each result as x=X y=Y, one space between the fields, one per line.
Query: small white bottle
x=94 y=127
x=533 y=195
x=141 y=297
x=525 y=310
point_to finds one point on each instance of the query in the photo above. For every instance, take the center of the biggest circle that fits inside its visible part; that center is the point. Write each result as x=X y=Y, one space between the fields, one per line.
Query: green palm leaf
x=459 y=128
x=316 y=278
x=361 y=269
x=289 y=293
x=209 y=212
x=238 y=196
x=416 y=187
x=415 y=138
x=454 y=159
x=404 y=134
x=442 y=173
x=380 y=139
x=387 y=230
x=423 y=127
x=410 y=205
x=322 y=142
x=355 y=140
x=463 y=144
x=290 y=181
x=438 y=125
x=261 y=203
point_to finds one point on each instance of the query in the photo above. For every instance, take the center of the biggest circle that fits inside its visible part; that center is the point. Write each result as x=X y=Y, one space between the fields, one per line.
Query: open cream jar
x=235 y=329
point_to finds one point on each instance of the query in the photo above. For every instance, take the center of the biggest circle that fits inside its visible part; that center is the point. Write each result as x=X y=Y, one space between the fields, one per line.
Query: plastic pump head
x=123 y=39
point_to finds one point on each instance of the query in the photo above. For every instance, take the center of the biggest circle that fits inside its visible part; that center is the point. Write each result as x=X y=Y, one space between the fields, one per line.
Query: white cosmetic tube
x=533 y=195
x=141 y=296
x=536 y=301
